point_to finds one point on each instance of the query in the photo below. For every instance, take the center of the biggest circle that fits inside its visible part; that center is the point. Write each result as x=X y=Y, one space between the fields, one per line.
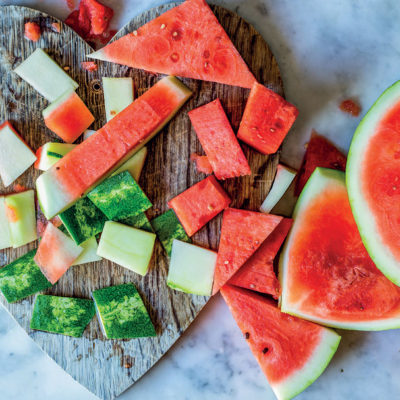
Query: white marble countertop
x=327 y=51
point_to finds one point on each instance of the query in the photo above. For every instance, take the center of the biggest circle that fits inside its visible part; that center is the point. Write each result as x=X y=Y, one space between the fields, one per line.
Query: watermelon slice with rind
x=185 y=41
x=325 y=271
x=292 y=352
x=373 y=181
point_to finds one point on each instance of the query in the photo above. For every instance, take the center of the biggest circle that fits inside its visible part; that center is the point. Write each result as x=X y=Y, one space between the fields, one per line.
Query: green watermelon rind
x=311 y=188
x=378 y=251
x=315 y=366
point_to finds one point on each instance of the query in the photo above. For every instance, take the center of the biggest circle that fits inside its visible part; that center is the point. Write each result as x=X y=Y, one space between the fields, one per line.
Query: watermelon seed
x=265 y=350
x=66 y=68
x=135 y=33
x=210 y=207
x=174 y=57
x=252 y=286
x=175 y=34
x=226 y=262
x=162 y=26
x=272 y=129
x=206 y=64
x=247 y=335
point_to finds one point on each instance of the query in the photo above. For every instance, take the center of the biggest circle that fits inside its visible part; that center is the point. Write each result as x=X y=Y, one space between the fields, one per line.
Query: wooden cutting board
x=108 y=367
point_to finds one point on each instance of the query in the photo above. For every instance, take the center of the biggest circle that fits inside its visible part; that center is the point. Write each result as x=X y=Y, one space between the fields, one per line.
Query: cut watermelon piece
x=97 y=157
x=32 y=31
x=15 y=156
x=242 y=233
x=291 y=352
x=21 y=215
x=89 y=252
x=56 y=253
x=45 y=75
x=185 y=41
x=283 y=178
x=64 y=315
x=202 y=163
x=139 y=221
x=373 y=182
x=266 y=120
x=120 y=197
x=320 y=153
x=68 y=117
x=191 y=269
x=218 y=140
x=258 y=272
x=134 y=165
x=48 y=154
x=118 y=94
x=88 y=133
x=22 y=278
x=5 y=234
x=121 y=312
x=199 y=204
x=97 y=15
x=326 y=273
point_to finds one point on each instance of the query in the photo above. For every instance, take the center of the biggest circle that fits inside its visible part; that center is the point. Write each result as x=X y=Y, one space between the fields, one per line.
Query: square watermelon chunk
x=266 y=120
x=199 y=204
x=122 y=313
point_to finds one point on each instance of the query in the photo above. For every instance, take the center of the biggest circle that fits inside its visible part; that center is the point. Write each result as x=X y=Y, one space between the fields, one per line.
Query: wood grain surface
x=108 y=367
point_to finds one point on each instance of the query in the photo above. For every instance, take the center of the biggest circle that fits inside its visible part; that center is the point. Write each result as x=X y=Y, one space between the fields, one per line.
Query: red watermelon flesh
x=218 y=140
x=266 y=120
x=202 y=163
x=291 y=352
x=199 y=204
x=258 y=272
x=185 y=41
x=242 y=233
x=320 y=153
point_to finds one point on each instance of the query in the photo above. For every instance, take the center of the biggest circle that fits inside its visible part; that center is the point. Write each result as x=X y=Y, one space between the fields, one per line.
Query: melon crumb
x=351 y=107
x=89 y=66
x=32 y=31
x=202 y=163
x=56 y=27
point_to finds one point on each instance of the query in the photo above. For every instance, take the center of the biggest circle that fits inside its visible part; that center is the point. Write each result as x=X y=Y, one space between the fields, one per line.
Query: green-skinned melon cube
x=191 y=269
x=83 y=220
x=120 y=197
x=134 y=165
x=65 y=315
x=129 y=247
x=5 y=234
x=45 y=75
x=139 y=221
x=20 y=209
x=50 y=153
x=121 y=312
x=167 y=228
x=118 y=94
x=22 y=278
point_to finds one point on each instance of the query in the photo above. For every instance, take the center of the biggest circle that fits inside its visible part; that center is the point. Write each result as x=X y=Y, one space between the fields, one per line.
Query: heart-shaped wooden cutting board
x=108 y=367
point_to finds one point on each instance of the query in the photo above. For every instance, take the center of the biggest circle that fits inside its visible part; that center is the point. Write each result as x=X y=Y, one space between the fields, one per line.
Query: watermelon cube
x=22 y=278
x=21 y=215
x=139 y=221
x=51 y=152
x=199 y=204
x=121 y=312
x=118 y=94
x=191 y=269
x=64 y=315
x=45 y=75
x=266 y=120
x=120 y=197
x=56 y=253
x=32 y=31
x=168 y=228
x=15 y=156
x=218 y=140
x=134 y=165
x=67 y=116
x=5 y=234
x=99 y=156
x=129 y=247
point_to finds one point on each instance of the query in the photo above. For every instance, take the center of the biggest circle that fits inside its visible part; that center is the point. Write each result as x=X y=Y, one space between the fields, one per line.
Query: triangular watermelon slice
x=185 y=41
x=242 y=233
x=258 y=272
x=291 y=352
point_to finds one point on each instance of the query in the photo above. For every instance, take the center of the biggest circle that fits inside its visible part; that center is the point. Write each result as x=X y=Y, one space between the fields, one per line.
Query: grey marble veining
x=327 y=51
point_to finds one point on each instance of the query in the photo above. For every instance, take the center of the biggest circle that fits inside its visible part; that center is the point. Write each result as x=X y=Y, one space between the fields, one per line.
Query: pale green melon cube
x=118 y=94
x=5 y=234
x=191 y=269
x=89 y=252
x=129 y=247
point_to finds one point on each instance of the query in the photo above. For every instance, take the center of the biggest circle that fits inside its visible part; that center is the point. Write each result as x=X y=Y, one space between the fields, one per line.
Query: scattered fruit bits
x=18 y=188
x=89 y=65
x=202 y=163
x=32 y=31
x=56 y=27
x=351 y=107
x=70 y=4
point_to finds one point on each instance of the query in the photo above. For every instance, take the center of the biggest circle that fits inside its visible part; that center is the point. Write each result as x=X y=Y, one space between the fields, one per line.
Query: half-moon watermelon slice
x=185 y=41
x=291 y=352
x=325 y=271
x=373 y=181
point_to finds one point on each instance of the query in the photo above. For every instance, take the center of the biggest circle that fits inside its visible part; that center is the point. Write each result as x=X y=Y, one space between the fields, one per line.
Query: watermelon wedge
x=199 y=204
x=242 y=233
x=373 y=177
x=320 y=153
x=258 y=272
x=218 y=140
x=185 y=41
x=326 y=273
x=99 y=155
x=266 y=120
x=291 y=352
